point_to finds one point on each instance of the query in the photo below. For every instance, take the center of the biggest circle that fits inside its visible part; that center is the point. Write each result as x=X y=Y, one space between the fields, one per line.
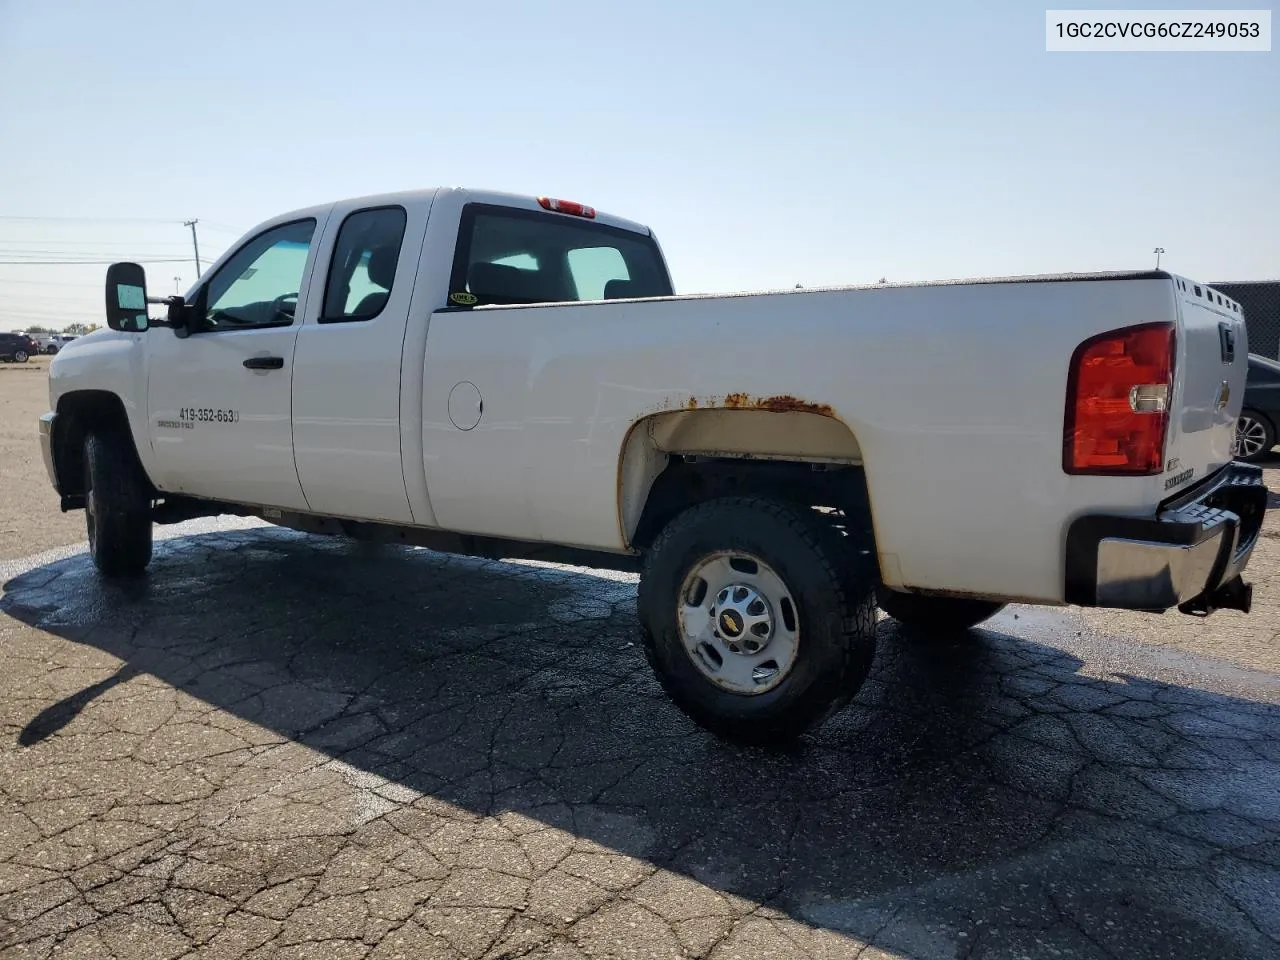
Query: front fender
x=107 y=367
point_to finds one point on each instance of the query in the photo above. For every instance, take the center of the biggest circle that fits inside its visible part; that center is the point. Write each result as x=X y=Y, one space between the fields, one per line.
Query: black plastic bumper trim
x=1230 y=505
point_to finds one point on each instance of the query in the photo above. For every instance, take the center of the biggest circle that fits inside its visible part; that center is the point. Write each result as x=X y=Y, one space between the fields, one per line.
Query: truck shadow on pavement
x=405 y=744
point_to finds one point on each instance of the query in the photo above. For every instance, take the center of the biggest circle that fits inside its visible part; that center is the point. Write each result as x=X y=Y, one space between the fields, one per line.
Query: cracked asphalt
x=292 y=747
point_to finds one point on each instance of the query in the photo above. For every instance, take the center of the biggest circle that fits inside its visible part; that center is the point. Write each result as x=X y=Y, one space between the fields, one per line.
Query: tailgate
x=1210 y=368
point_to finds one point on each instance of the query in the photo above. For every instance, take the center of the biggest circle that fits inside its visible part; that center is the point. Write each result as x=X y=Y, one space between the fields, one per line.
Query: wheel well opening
x=838 y=490
x=79 y=414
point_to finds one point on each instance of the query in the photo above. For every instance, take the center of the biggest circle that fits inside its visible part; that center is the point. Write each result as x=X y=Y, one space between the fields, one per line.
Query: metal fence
x=1260 y=302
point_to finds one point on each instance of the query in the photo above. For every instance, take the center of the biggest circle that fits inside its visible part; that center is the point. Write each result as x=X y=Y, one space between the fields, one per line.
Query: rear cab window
x=511 y=256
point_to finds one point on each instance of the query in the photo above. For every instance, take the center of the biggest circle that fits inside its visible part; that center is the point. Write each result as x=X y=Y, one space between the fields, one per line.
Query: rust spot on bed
x=782 y=403
x=789 y=404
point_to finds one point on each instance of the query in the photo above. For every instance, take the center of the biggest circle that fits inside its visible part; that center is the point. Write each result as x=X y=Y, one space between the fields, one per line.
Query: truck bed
x=949 y=395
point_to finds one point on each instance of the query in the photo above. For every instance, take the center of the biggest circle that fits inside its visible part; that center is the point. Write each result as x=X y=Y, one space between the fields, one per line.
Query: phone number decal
x=208 y=415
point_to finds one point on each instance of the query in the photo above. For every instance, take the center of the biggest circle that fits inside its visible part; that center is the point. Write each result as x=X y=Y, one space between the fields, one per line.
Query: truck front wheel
x=936 y=614
x=117 y=507
x=751 y=620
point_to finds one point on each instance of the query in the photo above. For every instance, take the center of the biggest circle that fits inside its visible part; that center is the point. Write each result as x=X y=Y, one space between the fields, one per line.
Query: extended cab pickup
x=513 y=377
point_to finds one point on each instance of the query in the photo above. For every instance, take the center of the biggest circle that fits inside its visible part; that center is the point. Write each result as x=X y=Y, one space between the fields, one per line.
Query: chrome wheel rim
x=738 y=623
x=20 y=356
x=1250 y=436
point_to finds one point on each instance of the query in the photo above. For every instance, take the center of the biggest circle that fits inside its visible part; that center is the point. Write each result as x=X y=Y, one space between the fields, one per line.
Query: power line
x=26 y=237
x=85 y=254
x=176 y=221
x=41 y=219
x=44 y=283
x=92 y=306
x=7 y=310
x=51 y=303
x=89 y=252
x=93 y=243
x=47 y=304
x=38 y=303
x=87 y=263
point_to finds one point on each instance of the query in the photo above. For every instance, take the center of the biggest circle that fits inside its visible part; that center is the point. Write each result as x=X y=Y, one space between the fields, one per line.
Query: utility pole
x=1157 y=251
x=194 y=242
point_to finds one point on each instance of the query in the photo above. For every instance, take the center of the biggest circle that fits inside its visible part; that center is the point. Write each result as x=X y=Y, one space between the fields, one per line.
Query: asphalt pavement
x=285 y=746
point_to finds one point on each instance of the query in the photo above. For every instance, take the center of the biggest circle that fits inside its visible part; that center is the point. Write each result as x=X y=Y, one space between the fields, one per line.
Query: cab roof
x=465 y=195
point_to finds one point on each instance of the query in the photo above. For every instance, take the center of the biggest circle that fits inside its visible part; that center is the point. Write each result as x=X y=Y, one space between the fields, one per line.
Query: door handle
x=264 y=363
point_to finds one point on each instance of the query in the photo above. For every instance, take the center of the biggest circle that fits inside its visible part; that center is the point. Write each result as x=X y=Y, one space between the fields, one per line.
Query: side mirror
x=127 y=298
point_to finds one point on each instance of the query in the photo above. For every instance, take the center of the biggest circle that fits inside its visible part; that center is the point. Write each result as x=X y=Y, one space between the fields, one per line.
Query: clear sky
x=767 y=143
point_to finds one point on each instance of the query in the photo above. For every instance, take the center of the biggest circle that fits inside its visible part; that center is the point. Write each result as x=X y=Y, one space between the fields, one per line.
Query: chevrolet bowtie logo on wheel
x=730 y=626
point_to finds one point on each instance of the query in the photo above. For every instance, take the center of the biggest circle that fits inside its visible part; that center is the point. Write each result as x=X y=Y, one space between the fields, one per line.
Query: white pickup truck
x=52 y=343
x=512 y=377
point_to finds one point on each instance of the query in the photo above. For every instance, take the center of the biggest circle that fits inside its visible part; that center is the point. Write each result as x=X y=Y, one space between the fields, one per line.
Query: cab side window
x=363 y=269
x=258 y=286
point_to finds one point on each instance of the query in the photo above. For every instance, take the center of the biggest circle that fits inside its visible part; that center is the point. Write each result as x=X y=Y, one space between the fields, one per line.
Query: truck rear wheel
x=117 y=507
x=936 y=614
x=751 y=620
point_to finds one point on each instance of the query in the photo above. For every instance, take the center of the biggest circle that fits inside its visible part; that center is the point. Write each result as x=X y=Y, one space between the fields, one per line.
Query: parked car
x=17 y=347
x=1256 y=428
x=513 y=377
x=56 y=343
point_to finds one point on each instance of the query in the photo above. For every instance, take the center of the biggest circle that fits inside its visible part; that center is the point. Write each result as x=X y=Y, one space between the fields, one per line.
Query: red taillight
x=1118 y=395
x=567 y=206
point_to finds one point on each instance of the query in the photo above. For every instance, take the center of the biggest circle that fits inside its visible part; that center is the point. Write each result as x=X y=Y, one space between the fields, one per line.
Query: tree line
x=71 y=329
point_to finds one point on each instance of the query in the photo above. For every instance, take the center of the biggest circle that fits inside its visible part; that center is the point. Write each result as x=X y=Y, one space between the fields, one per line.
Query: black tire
x=1261 y=425
x=936 y=614
x=834 y=612
x=20 y=356
x=117 y=506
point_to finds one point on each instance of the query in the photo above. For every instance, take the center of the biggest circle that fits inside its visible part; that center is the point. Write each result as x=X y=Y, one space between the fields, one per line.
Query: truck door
x=508 y=418
x=218 y=400
x=347 y=378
